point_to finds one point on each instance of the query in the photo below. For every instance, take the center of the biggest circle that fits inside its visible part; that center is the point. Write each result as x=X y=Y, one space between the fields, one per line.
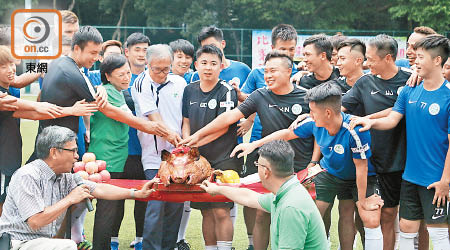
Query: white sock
x=233 y=214
x=184 y=221
x=224 y=245
x=397 y=232
x=210 y=247
x=374 y=238
x=439 y=237
x=250 y=239
x=115 y=239
x=77 y=220
x=138 y=239
x=406 y=241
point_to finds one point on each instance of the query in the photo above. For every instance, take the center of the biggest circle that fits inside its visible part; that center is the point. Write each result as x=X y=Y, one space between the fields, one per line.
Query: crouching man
x=296 y=221
x=41 y=192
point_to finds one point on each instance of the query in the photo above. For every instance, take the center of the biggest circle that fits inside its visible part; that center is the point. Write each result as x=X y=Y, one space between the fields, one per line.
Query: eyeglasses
x=73 y=150
x=165 y=70
x=261 y=165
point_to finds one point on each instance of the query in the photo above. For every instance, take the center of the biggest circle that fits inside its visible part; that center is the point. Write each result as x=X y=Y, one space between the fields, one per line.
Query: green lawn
x=127 y=231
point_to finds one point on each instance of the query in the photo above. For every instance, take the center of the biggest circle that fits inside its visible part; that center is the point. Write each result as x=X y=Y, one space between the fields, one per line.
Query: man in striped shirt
x=41 y=192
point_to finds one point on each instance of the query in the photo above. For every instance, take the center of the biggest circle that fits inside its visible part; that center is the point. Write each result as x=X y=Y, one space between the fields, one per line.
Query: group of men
x=317 y=106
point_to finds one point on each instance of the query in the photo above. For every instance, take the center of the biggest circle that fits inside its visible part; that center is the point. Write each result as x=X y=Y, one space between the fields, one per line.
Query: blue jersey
x=236 y=69
x=403 y=63
x=339 y=150
x=14 y=92
x=427 y=129
x=134 y=146
x=94 y=77
x=255 y=80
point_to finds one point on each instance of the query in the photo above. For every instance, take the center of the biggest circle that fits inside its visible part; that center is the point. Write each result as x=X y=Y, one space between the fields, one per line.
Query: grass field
x=127 y=231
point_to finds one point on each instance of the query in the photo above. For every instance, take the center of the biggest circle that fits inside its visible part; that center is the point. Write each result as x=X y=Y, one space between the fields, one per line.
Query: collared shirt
x=166 y=99
x=33 y=188
x=295 y=220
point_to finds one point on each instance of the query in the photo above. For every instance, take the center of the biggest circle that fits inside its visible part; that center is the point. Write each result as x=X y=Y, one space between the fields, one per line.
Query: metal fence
x=239 y=40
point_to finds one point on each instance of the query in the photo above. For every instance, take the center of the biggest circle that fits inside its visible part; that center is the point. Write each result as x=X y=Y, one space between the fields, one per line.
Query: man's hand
x=296 y=78
x=7 y=102
x=147 y=189
x=414 y=80
x=83 y=108
x=244 y=127
x=78 y=194
x=297 y=121
x=241 y=96
x=210 y=188
x=441 y=192
x=173 y=138
x=101 y=97
x=365 y=122
x=156 y=128
x=371 y=203
x=246 y=149
x=50 y=109
x=190 y=141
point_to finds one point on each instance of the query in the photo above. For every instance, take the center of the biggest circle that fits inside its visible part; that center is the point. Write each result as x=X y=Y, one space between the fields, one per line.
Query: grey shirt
x=34 y=187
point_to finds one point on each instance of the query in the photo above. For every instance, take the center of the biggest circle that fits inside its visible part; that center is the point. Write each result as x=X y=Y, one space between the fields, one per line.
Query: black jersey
x=376 y=94
x=342 y=83
x=63 y=85
x=10 y=141
x=277 y=112
x=309 y=81
x=203 y=107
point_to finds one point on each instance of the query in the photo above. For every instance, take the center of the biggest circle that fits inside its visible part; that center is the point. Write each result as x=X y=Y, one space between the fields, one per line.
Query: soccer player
x=336 y=40
x=345 y=158
x=425 y=185
x=375 y=92
x=419 y=33
x=203 y=101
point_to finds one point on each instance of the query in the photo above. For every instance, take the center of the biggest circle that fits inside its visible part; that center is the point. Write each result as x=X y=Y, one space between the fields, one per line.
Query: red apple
x=101 y=165
x=83 y=174
x=88 y=157
x=95 y=177
x=106 y=176
x=78 y=166
x=91 y=167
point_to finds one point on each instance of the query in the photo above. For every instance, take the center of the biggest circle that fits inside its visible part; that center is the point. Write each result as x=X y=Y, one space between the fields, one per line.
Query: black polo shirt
x=277 y=112
x=10 y=141
x=375 y=94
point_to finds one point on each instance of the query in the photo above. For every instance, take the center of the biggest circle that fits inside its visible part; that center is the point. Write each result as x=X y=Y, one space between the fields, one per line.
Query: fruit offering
x=91 y=169
x=227 y=176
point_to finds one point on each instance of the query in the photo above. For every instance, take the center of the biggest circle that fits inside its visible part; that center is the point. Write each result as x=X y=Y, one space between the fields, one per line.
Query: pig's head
x=180 y=162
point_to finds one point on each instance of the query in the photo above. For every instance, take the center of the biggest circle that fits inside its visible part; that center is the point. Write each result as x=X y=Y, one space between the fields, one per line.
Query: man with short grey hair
x=158 y=97
x=43 y=190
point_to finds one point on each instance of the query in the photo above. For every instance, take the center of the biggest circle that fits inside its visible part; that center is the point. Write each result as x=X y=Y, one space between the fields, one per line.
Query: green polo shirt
x=109 y=138
x=296 y=221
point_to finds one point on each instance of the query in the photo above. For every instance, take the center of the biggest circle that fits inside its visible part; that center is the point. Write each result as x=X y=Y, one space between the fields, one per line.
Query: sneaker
x=84 y=245
x=132 y=243
x=138 y=246
x=183 y=245
x=250 y=247
x=114 y=245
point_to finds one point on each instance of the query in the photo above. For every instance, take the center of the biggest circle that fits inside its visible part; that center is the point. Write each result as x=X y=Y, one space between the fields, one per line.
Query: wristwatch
x=132 y=192
x=314 y=162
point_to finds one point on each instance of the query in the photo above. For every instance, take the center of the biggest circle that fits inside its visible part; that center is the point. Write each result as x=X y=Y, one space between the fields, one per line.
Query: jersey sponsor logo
x=212 y=104
x=389 y=92
x=203 y=105
x=399 y=90
x=338 y=148
x=296 y=109
x=361 y=149
x=374 y=92
x=191 y=103
x=227 y=104
x=434 y=109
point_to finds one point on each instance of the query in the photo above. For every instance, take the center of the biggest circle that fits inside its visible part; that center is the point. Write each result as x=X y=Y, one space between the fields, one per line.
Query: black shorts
x=416 y=203
x=4 y=184
x=390 y=185
x=329 y=186
x=249 y=167
x=133 y=168
x=209 y=205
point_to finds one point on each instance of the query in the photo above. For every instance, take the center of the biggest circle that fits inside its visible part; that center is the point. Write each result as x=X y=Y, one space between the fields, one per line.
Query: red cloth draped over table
x=183 y=192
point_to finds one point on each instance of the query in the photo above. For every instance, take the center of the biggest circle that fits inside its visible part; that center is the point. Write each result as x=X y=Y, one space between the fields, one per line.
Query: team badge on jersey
x=434 y=109
x=296 y=109
x=338 y=148
x=212 y=104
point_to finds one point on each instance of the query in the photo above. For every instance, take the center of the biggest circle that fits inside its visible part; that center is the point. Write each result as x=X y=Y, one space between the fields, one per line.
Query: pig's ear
x=165 y=155
x=194 y=154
